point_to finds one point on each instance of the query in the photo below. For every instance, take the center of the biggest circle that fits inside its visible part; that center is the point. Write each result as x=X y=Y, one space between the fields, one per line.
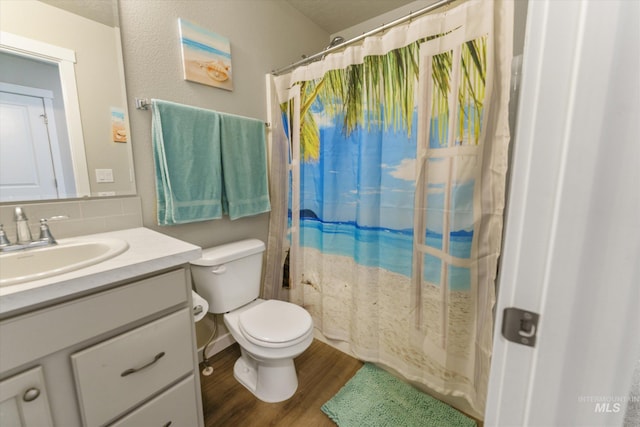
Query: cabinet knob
x=31 y=394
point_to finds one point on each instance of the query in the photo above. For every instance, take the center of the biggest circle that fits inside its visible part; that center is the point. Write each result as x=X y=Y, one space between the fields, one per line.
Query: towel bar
x=145 y=103
x=142 y=103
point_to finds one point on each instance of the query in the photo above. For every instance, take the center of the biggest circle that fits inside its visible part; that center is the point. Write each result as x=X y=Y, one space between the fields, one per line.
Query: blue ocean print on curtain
x=357 y=198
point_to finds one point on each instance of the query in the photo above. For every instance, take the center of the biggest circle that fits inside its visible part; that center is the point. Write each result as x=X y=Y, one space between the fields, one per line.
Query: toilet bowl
x=270 y=332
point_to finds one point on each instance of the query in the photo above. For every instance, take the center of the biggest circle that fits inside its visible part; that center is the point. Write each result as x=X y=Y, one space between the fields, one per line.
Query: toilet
x=270 y=332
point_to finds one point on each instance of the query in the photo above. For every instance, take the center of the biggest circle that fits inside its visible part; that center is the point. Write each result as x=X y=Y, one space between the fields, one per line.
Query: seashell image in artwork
x=217 y=70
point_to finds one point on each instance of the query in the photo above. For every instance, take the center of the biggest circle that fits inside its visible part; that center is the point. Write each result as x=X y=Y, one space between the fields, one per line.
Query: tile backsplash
x=84 y=216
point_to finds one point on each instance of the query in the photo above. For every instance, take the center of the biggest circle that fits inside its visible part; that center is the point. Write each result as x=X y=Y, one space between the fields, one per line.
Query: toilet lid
x=275 y=322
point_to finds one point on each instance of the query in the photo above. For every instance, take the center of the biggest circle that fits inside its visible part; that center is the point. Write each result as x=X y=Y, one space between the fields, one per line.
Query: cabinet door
x=23 y=400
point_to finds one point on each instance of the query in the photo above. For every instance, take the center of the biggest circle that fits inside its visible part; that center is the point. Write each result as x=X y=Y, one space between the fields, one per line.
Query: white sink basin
x=68 y=255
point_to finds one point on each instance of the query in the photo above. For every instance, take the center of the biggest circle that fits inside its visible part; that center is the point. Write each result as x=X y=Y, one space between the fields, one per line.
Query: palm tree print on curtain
x=384 y=87
x=392 y=224
x=363 y=89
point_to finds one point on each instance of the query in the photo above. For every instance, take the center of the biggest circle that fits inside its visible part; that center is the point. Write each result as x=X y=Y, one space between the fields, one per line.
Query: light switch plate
x=104 y=175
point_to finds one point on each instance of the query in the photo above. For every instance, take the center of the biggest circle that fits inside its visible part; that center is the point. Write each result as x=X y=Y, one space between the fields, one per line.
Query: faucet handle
x=45 y=233
x=4 y=240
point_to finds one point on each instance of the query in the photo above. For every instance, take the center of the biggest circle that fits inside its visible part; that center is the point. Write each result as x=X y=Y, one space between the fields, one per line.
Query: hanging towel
x=186 y=146
x=244 y=166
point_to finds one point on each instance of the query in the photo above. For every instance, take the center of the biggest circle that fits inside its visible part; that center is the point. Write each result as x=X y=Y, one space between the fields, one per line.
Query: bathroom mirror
x=65 y=127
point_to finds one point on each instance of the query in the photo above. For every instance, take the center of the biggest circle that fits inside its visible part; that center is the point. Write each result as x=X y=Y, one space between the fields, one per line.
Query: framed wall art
x=206 y=56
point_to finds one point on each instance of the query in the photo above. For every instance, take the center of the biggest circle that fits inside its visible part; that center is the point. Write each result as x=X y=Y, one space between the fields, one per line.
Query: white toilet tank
x=228 y=276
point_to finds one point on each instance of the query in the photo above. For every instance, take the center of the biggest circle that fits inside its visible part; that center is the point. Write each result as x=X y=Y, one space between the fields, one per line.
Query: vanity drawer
x=175 y=407
x=117 y=374
x=55 y=328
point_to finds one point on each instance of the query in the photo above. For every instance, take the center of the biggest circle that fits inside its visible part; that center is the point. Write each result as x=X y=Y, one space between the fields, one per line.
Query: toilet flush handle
x=219 y=269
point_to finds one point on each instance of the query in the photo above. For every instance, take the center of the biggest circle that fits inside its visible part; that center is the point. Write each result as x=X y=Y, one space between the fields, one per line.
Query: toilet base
x=270 y=381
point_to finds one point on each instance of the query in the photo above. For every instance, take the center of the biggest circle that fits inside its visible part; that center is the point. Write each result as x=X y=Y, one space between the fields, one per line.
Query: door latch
x=520 y=326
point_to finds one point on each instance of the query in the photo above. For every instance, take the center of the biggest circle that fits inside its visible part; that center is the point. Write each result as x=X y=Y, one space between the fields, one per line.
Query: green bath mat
x=373 y=397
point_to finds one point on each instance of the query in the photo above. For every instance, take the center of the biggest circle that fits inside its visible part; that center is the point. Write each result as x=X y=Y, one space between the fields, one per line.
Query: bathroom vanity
x=110 y=344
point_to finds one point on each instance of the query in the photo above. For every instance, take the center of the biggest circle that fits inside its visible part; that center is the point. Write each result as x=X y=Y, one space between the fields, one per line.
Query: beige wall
x=264 y=35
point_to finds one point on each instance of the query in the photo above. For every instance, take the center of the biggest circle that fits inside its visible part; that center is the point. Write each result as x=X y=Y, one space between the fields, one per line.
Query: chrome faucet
x=23 y=234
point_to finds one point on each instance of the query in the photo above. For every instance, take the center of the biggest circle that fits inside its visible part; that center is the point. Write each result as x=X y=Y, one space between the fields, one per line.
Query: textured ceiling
x=102 y=11
x=335 y=15
x=330 y=15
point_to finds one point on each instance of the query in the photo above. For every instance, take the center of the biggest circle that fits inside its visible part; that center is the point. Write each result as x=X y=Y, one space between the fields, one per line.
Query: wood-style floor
x=322 y=371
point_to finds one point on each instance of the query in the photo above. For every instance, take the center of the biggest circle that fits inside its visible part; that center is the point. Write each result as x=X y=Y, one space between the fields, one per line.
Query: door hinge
x=520 y=326
x=45 y=118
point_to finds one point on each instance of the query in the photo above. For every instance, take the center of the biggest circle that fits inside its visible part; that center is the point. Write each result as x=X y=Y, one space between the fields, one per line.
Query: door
x=26 y=164
x=572 y=236
x=23 y=400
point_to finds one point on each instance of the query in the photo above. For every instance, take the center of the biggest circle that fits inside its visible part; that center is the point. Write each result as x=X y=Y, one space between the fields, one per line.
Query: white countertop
x=148 y=252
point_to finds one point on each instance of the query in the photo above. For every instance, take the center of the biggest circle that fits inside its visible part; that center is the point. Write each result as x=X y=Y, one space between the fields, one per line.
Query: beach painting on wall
x=206 y=56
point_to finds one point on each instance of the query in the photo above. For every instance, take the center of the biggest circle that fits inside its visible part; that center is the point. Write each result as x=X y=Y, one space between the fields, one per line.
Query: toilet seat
x=275 y=323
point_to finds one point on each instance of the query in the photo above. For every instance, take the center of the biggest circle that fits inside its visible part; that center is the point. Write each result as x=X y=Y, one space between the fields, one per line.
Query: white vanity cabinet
x=125 y=356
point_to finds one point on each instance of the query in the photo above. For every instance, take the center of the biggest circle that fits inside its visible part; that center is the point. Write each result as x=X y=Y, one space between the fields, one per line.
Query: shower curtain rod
x=384 y=27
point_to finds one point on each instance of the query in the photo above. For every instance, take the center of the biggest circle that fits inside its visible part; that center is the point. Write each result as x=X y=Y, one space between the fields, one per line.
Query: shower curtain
x=396 y=154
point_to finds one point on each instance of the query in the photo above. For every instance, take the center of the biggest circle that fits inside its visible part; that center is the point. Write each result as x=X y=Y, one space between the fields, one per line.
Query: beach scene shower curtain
x=398 y=154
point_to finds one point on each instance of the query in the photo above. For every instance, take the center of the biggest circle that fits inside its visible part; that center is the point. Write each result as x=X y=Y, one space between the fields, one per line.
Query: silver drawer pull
x=31 y=394
x=134 y=370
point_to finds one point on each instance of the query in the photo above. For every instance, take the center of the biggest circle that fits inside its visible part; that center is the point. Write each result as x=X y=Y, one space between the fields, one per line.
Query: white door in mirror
x=26 y=165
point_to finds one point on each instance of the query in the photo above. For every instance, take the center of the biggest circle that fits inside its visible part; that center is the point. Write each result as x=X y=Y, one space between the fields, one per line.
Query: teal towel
x=186 y=147
x=244 y=166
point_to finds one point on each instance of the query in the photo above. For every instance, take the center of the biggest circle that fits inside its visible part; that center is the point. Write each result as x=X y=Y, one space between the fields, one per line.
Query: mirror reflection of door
x=34 y=147
x=30 y=161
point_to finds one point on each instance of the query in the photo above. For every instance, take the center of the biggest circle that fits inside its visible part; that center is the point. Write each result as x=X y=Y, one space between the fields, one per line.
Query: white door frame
x=65 y=59
x=572 y=235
